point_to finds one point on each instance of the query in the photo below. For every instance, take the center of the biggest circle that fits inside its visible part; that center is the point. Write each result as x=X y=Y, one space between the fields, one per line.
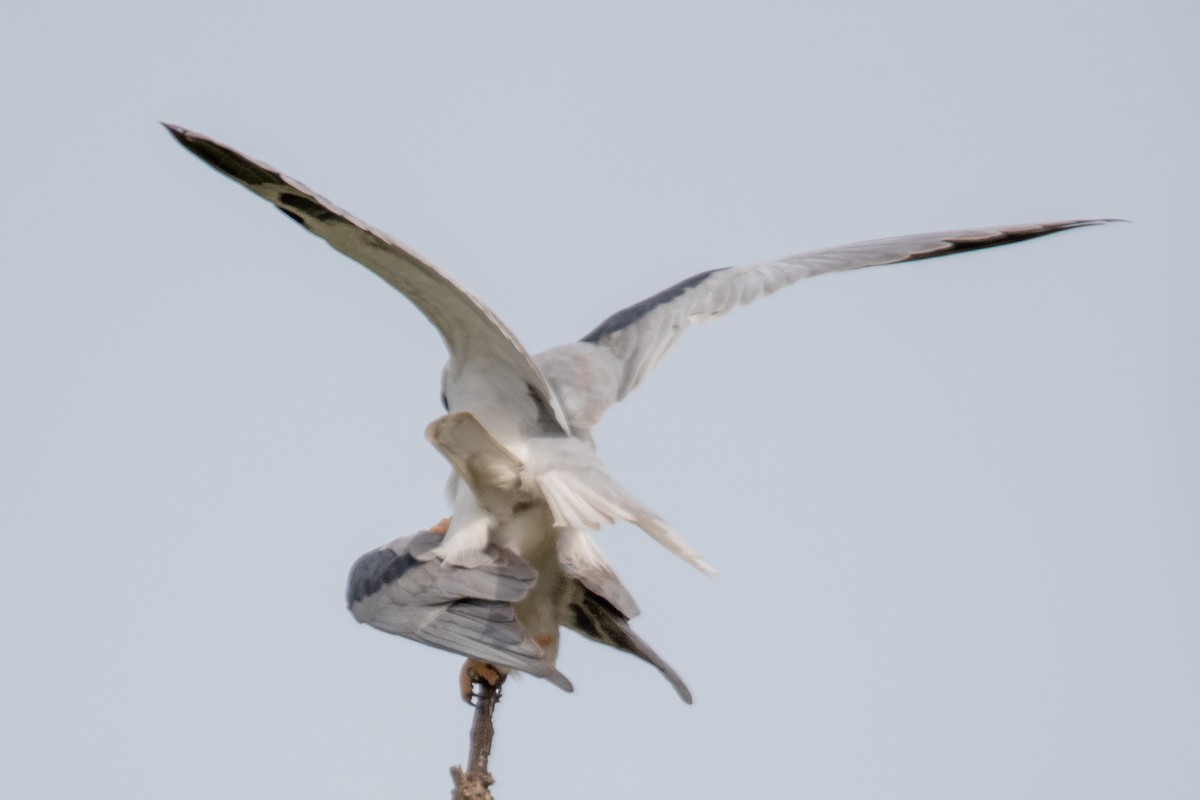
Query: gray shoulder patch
x=375 y=570
x=547 y=425
x=627 y=316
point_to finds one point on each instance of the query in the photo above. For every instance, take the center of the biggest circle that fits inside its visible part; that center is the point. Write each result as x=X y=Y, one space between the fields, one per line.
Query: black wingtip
x=224 y=159
x=1002 y=236
x=196 y=144
x=1083 y=223
x=180 y=133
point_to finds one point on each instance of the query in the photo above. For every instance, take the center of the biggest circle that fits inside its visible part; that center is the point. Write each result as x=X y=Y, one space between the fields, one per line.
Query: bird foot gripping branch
x=478 y=672
x=547 y=405
x=473 y=782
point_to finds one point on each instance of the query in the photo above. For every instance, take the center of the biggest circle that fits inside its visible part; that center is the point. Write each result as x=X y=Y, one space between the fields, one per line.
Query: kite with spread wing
x=527 y=477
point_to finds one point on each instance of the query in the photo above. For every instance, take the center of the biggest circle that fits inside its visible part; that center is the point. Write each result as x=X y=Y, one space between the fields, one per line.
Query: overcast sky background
x=954 y=504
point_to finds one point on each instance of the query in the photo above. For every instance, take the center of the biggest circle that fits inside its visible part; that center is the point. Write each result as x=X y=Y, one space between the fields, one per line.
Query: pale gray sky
x=954 y=504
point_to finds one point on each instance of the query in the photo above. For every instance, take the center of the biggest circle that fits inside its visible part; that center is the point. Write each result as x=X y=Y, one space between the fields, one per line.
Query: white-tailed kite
x=505 y=610
x=540 y=409
x=501 y=613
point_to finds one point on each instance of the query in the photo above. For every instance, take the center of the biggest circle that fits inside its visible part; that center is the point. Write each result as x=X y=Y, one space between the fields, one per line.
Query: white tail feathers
x=565 y=471
x=600 y=501
x=671 y=540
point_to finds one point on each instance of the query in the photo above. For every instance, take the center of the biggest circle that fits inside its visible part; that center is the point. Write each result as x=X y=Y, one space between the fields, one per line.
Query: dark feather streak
x=953 y=246
x=627 y=316
x=375 y=570
x=220 y=158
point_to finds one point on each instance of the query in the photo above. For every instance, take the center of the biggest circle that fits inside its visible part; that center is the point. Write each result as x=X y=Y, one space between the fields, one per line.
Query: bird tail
x=586 y=496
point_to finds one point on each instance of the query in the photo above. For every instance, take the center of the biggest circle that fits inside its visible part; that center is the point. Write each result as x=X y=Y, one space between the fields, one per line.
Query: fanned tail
x=576 y=501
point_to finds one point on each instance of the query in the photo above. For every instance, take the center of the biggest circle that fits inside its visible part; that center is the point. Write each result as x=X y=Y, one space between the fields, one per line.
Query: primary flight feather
x=539 y=409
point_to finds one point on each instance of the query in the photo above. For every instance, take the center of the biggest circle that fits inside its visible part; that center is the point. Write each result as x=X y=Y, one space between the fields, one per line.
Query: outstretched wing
x=402 y=589
x=632 y=341
x=473 y=334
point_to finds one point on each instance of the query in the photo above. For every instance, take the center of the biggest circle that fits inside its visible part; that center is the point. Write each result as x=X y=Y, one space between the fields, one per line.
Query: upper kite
x=540 y=408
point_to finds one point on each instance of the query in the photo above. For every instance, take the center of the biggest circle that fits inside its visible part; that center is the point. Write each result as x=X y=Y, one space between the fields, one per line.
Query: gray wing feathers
x=408 y=571
x=402 y=589
x=471 y=331
x=489 y=631
x=642 y=334
x=604 y=583
x=595 y=618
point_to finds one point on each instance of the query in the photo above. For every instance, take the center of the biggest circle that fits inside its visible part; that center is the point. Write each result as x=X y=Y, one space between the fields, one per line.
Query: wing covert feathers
x=470 y=329
x=403 y=589
x=642 y=334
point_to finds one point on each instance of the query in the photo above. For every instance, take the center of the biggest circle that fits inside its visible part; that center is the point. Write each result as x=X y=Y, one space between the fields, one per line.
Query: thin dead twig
x=473 y=783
